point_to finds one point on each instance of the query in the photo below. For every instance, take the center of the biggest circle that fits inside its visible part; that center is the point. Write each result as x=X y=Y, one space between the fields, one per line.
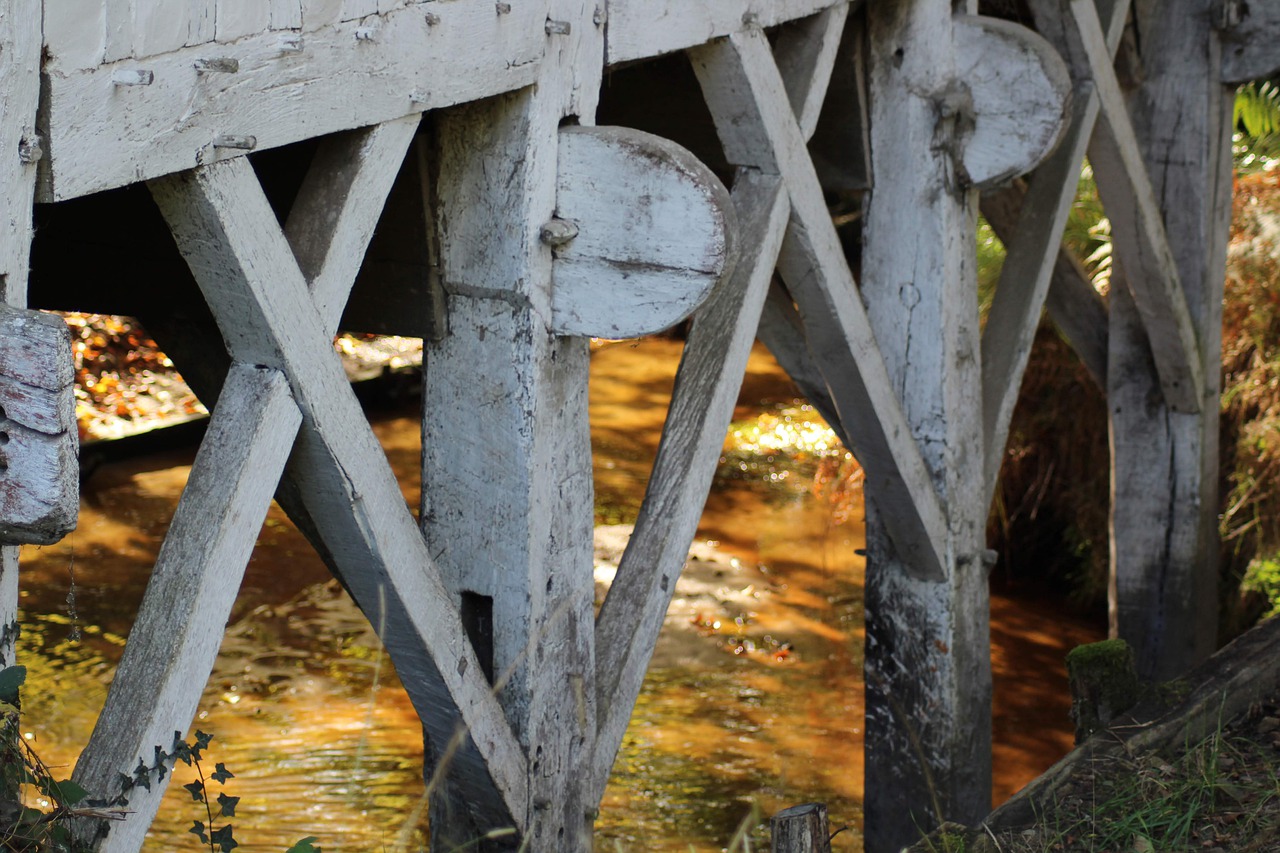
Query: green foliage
x=219 y=839
x=1257 y=121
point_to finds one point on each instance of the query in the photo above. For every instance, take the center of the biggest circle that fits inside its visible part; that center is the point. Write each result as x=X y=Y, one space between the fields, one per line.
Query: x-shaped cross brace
x=764 y=120
x=277 y=295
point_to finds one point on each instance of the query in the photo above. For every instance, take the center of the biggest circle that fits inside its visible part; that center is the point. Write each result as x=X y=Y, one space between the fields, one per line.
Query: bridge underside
x=249 y=177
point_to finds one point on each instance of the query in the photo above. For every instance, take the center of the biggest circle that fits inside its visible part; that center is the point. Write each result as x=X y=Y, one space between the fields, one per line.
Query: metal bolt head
x=558 y=28
x=558 y=233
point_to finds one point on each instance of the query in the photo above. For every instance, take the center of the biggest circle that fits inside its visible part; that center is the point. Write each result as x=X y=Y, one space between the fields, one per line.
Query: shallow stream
x=753 y=703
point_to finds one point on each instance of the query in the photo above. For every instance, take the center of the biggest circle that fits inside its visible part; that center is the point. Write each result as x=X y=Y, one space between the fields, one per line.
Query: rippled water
x=755 y=705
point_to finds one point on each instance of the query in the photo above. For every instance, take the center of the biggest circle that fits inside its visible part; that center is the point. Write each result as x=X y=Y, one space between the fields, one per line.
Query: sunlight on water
x=753 y=702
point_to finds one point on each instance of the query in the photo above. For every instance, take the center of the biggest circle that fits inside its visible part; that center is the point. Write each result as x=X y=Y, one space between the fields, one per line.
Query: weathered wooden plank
x=119 y=35
x=179 y=627
x=20 y=47
x=203 y=18
x=286 y=14
x=159 y=26
x=1024 y=281
x=102 y=135
x=702 y=402
x=639 y=29
x=76 y=38
x=1250 y=40
x=240 y=257
x=236 y=19
x=1076 y=308
x=516 y=547
x=757 y=128
x=805 y=53
x=1031 y=260
x=1138 y=234
x=356 y=9
x=1017 y=91
x=1165 y=476
x=928 y=655
x=39 y=482
x=333 y=217
x=320 y=13
x=652 y=233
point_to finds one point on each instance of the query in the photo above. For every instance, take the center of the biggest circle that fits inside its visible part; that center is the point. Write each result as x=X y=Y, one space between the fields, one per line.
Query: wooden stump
x=801 y=829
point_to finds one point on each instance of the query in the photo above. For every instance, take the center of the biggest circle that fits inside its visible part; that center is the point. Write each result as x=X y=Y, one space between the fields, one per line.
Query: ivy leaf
x=223 y=839
x=221 y=774
x=228 y=805
x=198 y=829
x=197 y=790
x=68 y=793
x=11 y=678
x=181 y=749
x=305 y=846
x=142 y=775
x=203 y=739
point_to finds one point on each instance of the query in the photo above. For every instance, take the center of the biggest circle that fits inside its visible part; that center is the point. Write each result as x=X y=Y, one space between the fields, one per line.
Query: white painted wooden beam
x=749 y=103
x=706 y=390
x=508 y=495
x=241 y=259
x=649 y=233
x=39 y=471
x=927 y=653
x=333 y=217
x=1074 y=306
x=806 y=53
x=20 y=147
x=1031 y=260
x=287 y=87
x=175 y=638
x=1250 y=39
x=1165 y=476
x=1137 y=226
x=639 y=29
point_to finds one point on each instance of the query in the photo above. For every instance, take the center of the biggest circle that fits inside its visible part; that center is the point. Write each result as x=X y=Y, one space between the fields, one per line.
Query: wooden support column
x=928 y=665
x=507 y=488
x=20 y=41
x=1165 y=462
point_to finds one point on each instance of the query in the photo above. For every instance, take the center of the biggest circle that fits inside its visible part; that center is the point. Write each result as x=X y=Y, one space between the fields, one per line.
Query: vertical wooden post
x=928 y=753
x=20 y=150
x=1165 y=463
x=507 y=488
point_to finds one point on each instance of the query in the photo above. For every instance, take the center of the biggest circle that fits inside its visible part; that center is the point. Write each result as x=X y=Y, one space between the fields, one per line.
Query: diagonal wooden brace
x=249 y=275
x=749 y=102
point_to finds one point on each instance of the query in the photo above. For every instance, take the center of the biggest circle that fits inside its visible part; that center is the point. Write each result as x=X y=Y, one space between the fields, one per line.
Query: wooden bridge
x=435 y=167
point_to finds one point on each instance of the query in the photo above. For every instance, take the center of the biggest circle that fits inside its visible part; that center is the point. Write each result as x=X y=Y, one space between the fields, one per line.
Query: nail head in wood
x=503 y=8
x=558 y=232
x=222 y=65
x=133 y=77
x=750 y=19
x=558 y=28
x=432 y=19
x=599 y=16
x=31 y=148
x=243 y=143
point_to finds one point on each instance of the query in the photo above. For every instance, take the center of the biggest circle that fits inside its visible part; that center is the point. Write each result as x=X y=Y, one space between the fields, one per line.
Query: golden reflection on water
x=323 y=741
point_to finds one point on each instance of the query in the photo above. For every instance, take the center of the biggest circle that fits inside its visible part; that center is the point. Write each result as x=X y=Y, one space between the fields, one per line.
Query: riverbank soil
x=1195 y=767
